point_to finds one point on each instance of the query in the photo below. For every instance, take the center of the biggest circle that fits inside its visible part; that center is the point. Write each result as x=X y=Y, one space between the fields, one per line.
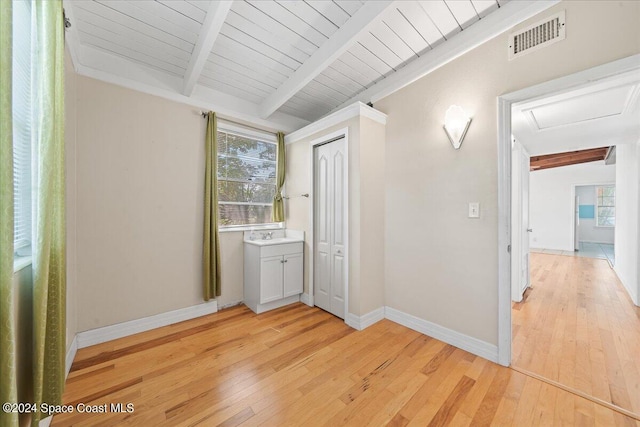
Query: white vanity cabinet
x=273 y=273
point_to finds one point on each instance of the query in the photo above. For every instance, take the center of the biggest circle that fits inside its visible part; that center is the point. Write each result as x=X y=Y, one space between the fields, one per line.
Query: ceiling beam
x=216 y=15
x=336 y=45
x=566 y=159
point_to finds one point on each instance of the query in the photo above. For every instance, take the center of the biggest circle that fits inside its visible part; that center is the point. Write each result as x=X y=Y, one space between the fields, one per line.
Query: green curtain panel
x=8 y=380
x=211 y=249
x=49 y=259
x=277 y=212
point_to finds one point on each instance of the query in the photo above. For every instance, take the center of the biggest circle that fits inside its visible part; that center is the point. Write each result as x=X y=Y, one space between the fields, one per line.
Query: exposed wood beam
x=566 y=159
x=216 y=15
x=336 y=45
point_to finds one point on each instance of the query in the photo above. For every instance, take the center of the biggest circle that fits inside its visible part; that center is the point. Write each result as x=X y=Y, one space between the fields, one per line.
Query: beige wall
x=139 y=207
x=366 y=207
x=440 y=265
x=372 y=215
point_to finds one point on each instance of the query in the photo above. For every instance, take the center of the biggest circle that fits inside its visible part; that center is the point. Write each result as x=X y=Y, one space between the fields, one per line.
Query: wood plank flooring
x=300 y=366
x=578 y=326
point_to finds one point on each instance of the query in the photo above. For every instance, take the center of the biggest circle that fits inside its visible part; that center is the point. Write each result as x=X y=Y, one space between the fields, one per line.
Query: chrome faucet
x=267 y=236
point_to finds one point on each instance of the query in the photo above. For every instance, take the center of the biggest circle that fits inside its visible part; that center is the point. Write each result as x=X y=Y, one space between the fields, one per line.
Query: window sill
x=21 y=262
x=277 y=226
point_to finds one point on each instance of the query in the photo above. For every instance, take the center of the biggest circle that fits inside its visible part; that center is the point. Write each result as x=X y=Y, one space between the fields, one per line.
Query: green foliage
x=246 y=174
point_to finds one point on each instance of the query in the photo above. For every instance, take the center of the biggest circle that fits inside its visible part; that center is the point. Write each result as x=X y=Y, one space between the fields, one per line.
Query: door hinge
x=509 y=248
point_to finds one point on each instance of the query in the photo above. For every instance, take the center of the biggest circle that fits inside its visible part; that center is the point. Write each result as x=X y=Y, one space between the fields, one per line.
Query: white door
x=330 y=227
x=270 y=279
x=526 y=227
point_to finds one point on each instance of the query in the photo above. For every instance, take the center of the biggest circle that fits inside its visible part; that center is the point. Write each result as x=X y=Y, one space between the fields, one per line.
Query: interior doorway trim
x=325 y=139
x=570 y=82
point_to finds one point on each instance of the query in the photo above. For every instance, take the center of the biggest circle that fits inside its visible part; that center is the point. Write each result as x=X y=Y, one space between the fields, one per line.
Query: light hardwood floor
x=578 y=326
x=299 y=366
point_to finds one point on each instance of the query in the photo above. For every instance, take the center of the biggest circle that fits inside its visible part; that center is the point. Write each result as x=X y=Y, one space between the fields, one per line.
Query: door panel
x=322 y=237
x=526 y=226
x=337 y=289
x=338 y=228
x=330 y=227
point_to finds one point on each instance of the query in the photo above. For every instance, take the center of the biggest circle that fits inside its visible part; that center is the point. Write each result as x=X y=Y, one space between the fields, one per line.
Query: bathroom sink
x=274 y=241
x=278 y=237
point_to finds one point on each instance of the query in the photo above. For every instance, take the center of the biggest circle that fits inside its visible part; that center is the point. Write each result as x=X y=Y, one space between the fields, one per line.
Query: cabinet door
x=292 y=274
x=271 y=278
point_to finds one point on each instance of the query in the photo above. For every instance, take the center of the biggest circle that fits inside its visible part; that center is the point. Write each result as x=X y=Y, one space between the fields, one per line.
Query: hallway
x=577 y=326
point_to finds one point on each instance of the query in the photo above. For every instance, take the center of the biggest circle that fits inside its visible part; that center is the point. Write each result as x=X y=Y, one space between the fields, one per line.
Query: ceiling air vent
x=538 y=35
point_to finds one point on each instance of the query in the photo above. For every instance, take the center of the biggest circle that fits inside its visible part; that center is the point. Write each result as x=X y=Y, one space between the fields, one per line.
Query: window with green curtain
x=246 y=179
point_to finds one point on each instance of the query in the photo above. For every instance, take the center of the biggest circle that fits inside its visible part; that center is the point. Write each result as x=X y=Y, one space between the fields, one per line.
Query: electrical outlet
x=474 y=210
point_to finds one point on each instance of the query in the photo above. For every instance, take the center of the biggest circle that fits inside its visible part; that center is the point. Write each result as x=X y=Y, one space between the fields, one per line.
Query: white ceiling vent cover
x=536 y=36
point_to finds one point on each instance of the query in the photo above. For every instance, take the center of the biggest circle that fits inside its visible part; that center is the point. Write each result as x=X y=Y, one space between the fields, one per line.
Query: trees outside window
x=246 y=179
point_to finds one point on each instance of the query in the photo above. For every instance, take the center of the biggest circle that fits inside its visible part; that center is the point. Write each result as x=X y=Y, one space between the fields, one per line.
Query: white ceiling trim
x=113 y=69
x=216 y=15
x=494 y=24
x=332 y=49
x=354 y=110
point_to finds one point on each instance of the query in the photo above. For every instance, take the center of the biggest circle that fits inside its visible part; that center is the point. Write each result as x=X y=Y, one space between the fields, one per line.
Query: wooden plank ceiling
x=261 y=46
x=565 y=159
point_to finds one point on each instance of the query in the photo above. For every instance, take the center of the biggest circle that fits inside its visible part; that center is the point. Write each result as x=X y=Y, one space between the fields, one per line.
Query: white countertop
x=278 y=237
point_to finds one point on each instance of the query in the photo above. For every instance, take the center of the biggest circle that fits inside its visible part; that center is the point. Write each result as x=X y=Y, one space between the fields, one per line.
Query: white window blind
x=21 y=109
x=246 y=179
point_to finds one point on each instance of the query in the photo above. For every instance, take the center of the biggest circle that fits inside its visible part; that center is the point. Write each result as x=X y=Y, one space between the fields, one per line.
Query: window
x=246 y=179
x=21 y=110
x=606 y=206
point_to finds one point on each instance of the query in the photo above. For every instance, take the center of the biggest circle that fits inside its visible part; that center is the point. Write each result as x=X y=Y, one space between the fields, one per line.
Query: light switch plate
x=474 y=210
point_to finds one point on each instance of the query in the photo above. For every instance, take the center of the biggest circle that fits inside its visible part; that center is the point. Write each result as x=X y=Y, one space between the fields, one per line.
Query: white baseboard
x=71 y=354
x=306 y=299
x=457 y=339
x=362 y=322
x=112 y=332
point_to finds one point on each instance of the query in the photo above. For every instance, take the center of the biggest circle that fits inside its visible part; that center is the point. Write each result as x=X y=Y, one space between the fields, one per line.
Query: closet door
x=330 y=227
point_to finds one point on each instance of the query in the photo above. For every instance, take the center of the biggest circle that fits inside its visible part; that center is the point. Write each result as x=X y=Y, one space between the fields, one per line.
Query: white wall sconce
x=456 y=124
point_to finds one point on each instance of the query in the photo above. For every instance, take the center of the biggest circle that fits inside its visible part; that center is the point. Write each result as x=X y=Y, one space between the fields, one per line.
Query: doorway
x=330 y=226
x=585 y=315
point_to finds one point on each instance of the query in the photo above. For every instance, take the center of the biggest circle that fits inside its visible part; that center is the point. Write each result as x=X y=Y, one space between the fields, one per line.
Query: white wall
x=551 y=201
x=587 y=229
x=440 y=265
x=628 y=218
